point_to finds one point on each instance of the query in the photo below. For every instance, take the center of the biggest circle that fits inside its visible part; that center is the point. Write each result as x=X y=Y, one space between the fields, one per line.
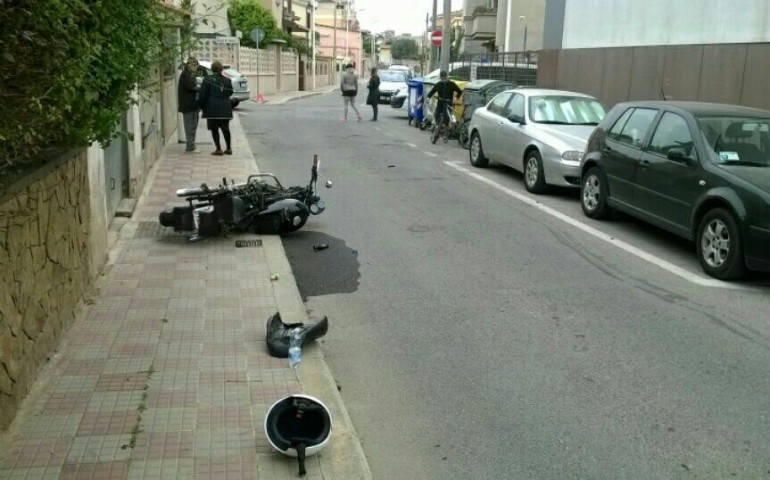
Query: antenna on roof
x=664 y=94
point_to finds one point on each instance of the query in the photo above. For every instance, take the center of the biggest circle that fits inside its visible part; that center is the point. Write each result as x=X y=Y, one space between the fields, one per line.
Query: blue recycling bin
x=415 y=105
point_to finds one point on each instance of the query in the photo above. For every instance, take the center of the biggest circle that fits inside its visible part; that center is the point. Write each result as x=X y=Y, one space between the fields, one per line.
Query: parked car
x=539 y=132
x=391 y=83
x=521 y=73
x=241 y=90
x=699 y=170
x=403 y=68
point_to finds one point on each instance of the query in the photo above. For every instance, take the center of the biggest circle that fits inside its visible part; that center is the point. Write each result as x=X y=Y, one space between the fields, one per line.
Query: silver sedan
x=541 y=133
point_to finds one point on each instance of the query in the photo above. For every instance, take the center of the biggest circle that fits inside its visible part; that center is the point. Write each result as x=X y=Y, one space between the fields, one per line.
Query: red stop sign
x=435 y=38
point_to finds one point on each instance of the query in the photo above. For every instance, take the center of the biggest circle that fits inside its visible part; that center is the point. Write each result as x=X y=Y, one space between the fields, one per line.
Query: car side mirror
x=679 y=155
x=516 y=118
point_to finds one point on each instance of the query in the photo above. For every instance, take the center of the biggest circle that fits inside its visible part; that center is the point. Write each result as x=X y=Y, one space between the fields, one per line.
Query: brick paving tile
x=108 y=422
x=95 y=471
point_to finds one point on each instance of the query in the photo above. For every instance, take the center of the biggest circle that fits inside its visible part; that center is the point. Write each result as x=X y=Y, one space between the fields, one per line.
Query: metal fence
x=519 y=68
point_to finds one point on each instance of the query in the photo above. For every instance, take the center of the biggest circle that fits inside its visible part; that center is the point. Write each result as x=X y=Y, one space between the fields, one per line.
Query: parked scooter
x=261 y=204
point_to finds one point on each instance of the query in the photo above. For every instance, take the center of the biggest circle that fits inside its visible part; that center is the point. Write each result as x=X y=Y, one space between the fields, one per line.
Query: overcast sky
x=403 y=16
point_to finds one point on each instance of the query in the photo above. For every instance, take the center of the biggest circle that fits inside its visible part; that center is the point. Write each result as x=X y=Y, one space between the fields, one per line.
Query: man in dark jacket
x=446 y=91
x=188 y=104
x=214 y=99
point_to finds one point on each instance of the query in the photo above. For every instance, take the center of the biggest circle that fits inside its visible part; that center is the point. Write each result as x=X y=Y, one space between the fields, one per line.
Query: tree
x=367 y=41
x=69 y=69
x=246 y=15
x=404 y=48
x=456 y=42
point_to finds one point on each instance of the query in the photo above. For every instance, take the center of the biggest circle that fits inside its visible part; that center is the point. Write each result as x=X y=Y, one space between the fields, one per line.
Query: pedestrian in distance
x=187 y=93
x=349 y=88
x=373 y=98
x=214 y=99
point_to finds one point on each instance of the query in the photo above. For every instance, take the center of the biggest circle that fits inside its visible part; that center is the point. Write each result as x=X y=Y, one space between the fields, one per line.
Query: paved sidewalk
x=284 y=97
x=166 y=373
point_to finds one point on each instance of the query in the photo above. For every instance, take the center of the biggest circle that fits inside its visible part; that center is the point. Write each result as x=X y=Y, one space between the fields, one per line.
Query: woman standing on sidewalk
x=214 y=99
x=349 y=87
x=373 y=98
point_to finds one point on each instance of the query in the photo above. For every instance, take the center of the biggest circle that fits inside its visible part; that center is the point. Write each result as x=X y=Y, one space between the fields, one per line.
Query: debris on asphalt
x=278 y=335
x=274 y=277
x=391 y=166
x=320 y=246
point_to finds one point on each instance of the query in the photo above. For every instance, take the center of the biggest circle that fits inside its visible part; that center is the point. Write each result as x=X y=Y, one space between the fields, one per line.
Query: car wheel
x=593 y=194
x=476 y=152
x=235 y=103
x=463 y=137
x=534 y=176
x=719 y=245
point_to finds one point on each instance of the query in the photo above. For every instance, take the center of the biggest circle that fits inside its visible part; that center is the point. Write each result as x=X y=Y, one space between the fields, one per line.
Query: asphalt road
x=479 y=335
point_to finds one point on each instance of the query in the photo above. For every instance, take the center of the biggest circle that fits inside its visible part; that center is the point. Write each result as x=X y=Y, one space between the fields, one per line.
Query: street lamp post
x=347 y=27
x=313 y=5
x=337 y=6
x=524 y=19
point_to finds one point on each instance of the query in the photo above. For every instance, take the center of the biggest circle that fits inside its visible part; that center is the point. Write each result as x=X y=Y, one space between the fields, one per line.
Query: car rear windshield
x=392 y=77
x=565 y=110
x=738 y=140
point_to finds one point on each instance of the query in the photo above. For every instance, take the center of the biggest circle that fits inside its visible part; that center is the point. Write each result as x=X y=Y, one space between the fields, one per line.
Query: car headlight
x=573 y=155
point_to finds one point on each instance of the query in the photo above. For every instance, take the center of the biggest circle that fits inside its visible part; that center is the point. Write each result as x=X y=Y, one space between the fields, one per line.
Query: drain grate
x=248 y=243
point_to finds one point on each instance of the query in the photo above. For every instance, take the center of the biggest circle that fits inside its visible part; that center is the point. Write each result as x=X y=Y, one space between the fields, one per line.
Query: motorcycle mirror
x=329 y=184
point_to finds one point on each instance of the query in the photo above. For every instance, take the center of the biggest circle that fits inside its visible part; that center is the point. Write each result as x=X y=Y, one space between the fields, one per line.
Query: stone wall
x=45 y=259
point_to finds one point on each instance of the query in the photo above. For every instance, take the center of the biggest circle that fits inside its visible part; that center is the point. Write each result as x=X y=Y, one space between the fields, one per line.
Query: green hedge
x=68 y=69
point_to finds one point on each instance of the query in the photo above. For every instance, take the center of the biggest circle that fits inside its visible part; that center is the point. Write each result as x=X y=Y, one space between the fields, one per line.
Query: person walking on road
x=187 y=92
x=214 y=99
x=373 y=98
x=349 y=88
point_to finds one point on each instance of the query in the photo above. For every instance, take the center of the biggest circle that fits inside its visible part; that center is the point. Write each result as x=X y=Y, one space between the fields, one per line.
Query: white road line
x=670 y=267
x=412 y=145
x=430 y=154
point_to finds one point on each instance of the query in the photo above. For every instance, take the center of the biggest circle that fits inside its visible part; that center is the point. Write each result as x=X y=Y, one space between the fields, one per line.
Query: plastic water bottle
x=295 y=348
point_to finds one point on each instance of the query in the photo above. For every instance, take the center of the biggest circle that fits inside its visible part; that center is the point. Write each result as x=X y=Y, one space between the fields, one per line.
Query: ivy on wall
x=68 y=69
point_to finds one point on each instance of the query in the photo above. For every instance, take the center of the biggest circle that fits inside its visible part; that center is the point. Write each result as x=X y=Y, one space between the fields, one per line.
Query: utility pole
x=424 y=56
x=347 y=27
x=313 y=6
x=336 y=67
x=445 y=40
x=433 y=51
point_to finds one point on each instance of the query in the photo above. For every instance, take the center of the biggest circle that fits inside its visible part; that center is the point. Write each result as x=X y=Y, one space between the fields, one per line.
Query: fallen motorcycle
x=261 y=204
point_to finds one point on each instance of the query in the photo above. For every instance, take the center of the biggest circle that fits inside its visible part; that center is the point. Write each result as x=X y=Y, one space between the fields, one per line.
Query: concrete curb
x=302 y=95
x=343 y=457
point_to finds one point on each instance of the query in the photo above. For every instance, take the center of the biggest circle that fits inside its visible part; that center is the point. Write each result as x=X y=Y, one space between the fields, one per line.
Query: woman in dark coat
x=214 y=99
x=373 y=98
